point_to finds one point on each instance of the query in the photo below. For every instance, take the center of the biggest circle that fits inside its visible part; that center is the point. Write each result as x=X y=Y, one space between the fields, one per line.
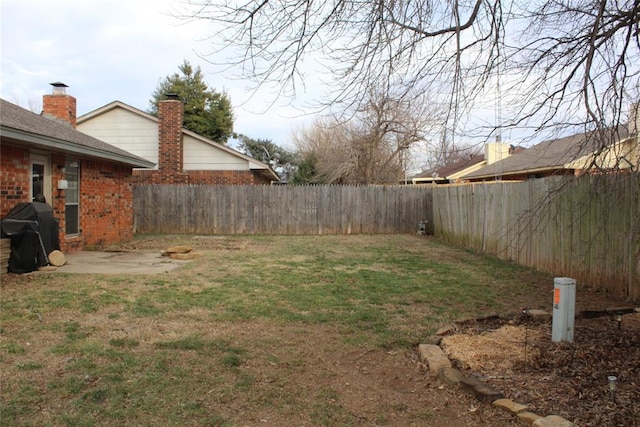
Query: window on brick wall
x=37 y=179
x=72 y=197
x=40 y=177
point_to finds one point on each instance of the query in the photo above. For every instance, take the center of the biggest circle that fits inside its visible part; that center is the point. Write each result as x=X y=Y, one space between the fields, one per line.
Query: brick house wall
x=106 y=203
x=225 y=178
x=204 y=177
x=15 y=177
x=106 y=197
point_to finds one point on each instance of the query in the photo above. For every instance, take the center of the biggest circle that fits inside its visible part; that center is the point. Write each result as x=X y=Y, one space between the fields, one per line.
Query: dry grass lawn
x=280 y=331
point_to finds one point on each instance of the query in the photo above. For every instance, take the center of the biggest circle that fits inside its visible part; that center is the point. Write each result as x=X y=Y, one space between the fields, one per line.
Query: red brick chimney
x=170 y=114
x=60 y=105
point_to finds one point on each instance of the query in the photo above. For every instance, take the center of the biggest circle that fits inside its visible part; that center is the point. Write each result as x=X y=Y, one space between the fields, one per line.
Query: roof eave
x=463 y=172
x=61 y=145
x=520 y=172
x=267 y=170
x=429 y=179
x=112 y=106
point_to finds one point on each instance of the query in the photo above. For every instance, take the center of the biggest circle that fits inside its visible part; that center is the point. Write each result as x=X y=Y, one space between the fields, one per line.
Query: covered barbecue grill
x=33 y=231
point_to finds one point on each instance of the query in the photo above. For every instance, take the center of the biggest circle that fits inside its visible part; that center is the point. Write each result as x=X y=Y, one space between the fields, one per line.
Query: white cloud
x=108 y=50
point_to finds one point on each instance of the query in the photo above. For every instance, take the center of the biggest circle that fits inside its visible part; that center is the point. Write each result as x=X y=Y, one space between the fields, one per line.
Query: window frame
x=45 y=162
x=72 y=169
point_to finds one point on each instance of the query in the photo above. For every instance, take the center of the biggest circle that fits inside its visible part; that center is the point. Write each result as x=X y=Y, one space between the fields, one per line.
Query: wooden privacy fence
x=294 y=210
x=585 y=228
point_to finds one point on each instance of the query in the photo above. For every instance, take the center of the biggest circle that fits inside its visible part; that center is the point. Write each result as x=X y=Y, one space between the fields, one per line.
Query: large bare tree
x=554 y=64
x=370 y=145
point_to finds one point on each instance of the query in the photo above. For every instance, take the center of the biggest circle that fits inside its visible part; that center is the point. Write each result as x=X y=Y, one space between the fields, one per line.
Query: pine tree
x=206 y=111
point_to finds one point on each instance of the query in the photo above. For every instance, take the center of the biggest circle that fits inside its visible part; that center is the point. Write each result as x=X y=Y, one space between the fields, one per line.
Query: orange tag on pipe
x=556 y=296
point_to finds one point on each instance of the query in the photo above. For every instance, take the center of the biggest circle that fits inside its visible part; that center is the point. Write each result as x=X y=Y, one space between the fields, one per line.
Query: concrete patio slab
x=90 y=262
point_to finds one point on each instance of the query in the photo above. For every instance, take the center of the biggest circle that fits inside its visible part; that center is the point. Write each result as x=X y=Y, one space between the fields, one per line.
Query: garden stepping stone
x=483 y=392
x=450 y=376
x=553 y=421
x=528 y=418
x=433 y=356
x=509 y=405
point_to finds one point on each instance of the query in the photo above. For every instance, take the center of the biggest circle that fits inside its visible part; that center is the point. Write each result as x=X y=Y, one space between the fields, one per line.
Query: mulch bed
x=518 y=358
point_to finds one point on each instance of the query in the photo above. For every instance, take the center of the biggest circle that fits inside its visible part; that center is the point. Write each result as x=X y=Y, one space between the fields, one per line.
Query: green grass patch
x=145 y=306
x=231 y=356
x=124 y=342
x=231 y=360
x=30 y=366
x=14 y=348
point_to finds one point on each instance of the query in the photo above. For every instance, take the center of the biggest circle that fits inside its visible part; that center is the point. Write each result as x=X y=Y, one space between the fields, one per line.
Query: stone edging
x=440 y=366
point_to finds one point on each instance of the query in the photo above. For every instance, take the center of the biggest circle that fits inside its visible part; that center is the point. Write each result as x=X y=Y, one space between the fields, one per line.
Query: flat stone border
x=440 y=366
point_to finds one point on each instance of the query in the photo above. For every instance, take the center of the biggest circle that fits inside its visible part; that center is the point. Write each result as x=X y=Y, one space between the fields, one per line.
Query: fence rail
x=288 y=210
x=585 y=228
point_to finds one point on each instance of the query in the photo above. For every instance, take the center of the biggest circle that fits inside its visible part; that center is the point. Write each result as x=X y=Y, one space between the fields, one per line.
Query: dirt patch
x=517 y=357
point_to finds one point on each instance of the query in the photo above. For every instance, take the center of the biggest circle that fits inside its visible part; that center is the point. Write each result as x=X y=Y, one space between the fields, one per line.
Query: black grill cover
x=34 y=234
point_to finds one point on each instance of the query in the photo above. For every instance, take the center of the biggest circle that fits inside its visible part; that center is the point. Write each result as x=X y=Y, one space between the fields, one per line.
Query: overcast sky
x=108 y=50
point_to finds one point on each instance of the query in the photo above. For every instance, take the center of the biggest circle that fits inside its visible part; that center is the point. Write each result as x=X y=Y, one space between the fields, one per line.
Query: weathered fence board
x=295 y=210
x=585 y=228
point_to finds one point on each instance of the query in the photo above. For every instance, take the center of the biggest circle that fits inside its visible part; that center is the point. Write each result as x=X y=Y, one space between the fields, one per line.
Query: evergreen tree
x=206 y=111
x=281 y=160
x=307 y=172
x=265 y=150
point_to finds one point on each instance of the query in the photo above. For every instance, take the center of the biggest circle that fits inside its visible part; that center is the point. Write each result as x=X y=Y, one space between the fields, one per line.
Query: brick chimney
x=60 y=105
x=170 y=114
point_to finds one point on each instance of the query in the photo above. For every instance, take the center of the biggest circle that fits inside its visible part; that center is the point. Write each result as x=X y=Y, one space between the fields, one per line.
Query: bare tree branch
x=562 y=65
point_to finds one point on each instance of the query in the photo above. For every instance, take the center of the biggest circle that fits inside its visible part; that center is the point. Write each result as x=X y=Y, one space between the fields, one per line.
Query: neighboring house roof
x=28 y=128
x=426 y=175
x=460 y=165
x=253 y=164
x=450 y=172
x=548 y=156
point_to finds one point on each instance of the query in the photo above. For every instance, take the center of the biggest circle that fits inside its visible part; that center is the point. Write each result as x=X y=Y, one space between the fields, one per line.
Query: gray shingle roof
x=548 y=155
x=460 y=165
x=448 y=170
x=25 y=126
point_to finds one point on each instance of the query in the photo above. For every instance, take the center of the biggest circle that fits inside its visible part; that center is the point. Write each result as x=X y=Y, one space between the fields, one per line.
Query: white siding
x=198 y=155
x=126 y=130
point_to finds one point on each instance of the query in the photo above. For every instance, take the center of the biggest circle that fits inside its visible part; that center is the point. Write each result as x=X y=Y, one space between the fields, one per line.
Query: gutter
x=507 y=174
x=74 y=147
